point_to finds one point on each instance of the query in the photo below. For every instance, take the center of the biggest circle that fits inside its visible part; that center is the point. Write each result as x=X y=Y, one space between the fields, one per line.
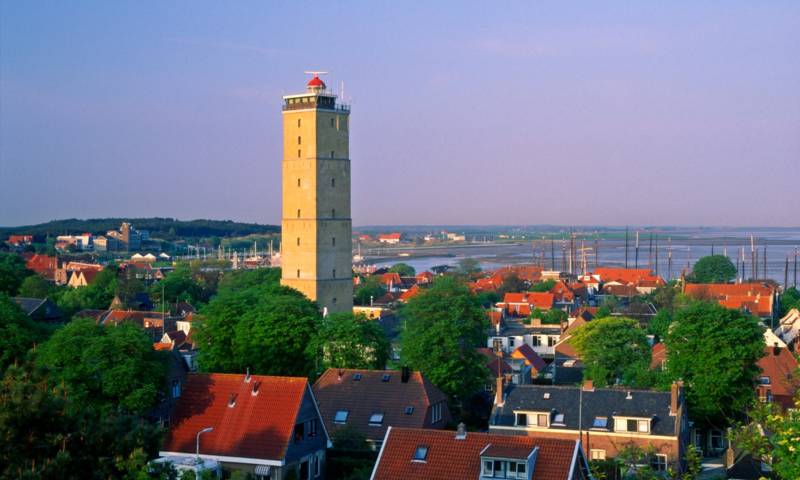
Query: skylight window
x=421 y=453
x=341 y=416
x=357 y=377
x=386 y=377
x=376 y=419
x=600 y=422
x=409 y=410
x=559 y=419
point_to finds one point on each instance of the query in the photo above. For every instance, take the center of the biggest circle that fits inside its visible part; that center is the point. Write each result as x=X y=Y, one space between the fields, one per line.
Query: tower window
x=332 y=154
x=332 y=122
x=298 y=213
x=333 y=241
x=298 y=273
x=298 y=123
x=298 y=153
x=299 y=141
x=333 y=182
x=298 y=182
x=298 y=241
x=333 y=213
x=334 y=273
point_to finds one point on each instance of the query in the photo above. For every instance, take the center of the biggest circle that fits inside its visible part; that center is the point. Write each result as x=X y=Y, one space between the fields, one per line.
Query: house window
x=386 y=377
x=535 y=341
x=333 y=273
x=376 y=419
x=176 y=388
x=333 y=182
x=659 y=462
x=299 y=433
x=497 y=344
x=511 y=342
x=333 y=213
x=341 y=416
x=551 y=341
x=521 y=467
x=304 y=470
x=488 y=468
x=356 y=377
x=312 y=427
x=299 y=141
x=333 y=241
x=409 y=410
x=631 y=425
x=598 y=454
x=436 y=413
x=522 y=419
x=332 y=155
x=763 y=380
x=644 y=426
x=317 y=465
x=541 y=419
x=600 y=422
x=716 y=440
x=559 y=419
x=420 y=454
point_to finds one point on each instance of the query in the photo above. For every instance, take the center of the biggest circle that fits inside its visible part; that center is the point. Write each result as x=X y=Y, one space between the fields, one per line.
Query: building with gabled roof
x=757 y=298
x=261 y=425
x=779 y=380
x=370 y=401
x=40 y=309
x=443 y=454
x=523 y=303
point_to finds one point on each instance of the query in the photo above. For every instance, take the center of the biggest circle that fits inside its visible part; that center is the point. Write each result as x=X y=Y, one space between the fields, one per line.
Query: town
x=302 y=359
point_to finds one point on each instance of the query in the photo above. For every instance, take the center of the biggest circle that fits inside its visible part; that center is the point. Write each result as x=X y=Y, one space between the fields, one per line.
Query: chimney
x=588 y=386
x=498 y=395
x=341 y=374
x=776 y=349
x=232 y=400
x=405 y=375
x=461 y=433
x=256 y=386
x=247 y=376
x=676 y=392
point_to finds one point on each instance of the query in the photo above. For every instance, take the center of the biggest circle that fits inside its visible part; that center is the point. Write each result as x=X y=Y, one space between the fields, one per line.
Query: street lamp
x=205 y=430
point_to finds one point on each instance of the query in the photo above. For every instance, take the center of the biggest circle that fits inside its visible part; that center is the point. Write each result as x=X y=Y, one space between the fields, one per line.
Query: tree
x=469 y=266
x=790 y=299
x=403 y=269
x=370 y=289
x=511 y=284
x=543 y=286
x=555 y=316
x=659 y=324
x=97 y=295
x=105 y=367
x=779 y=445
x=266 y=327
x=18 y=333
x=713 y=269
x=714 y=350
x=488 y=298
x=12 y=272
x=178 y=285
x=614 y=350
x=349 y=438
x=34 y=286
x=352 y=341
x=444 y=325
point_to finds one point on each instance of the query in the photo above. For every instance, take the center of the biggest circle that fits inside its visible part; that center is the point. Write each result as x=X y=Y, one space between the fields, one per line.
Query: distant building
x=756 y=298
x=19 y=240
x=389 y=238
x=40 y=309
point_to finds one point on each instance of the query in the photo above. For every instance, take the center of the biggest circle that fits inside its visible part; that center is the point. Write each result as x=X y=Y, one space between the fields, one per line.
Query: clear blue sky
x=560 y=112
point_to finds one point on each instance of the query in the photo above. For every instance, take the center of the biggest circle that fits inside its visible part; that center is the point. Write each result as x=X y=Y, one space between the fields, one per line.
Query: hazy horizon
x=679 y=114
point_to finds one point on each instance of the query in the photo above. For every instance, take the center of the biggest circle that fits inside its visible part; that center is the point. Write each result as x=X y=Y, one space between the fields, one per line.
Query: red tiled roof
x=757 y=298
x=659 y=355
x=409 y=294
x=627 y=275
x=389 y=236
x=257 y=426
x=523 y=303
x=450 y=458
x=562 y=292
x=392 y=278
x=162 y=346
x=42 y=264
x=781 y=368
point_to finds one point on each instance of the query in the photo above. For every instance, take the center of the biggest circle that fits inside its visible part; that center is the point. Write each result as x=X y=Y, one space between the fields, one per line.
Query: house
x=528 y=362
x=522 y=304
x=627 y=276
x=779 y=381
x=603 y=420
x=153 y=323
x=82 y=278
x=40 y=309
x=44 y=265
x=371 y=401
x=788 y=328
x=410 y=293
x=259 y=425
x=757 y=298
x=391 y=281
x=541 y=338
x=409 y=453
x=19 y=240
x=171 y=390
x=658 y=357
x=389 y=238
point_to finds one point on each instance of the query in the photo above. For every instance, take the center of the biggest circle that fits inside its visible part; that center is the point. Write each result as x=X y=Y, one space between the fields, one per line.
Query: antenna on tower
x=316 y=73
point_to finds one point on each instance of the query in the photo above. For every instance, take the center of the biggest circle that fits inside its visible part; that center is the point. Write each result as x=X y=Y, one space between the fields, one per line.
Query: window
x=522 y=419
x=659 y=462
x=559 y=419
x=304 y=470
x=644 y=426
x=763 y=380
x=436 y=413
x=333 y=241
x=333 y=182
x=298 y=241
x=317 y=466
x=764 y=395
x=535 y=341
x=551 y=341
x=541 y=419
x=298 y=182
x=299 y=433
x=341 y=416
x=632 y=425
x=299 y=141
x=332 y=120
x=298 y=273
x=598 y=454
x=357 y=377
x=298 y=213
x=521 y=467
x=386 y=377
x=511 y=342
x=333 y=213
x=332 y=154
x=376 y=419
x=176 y=388
x=312 y=427
x=333 y=300
x=409 y=410
x=488 y=469
x=298 y=153
x=298 y=123
x=420 y=454
x=333 y=273
x=600 y=422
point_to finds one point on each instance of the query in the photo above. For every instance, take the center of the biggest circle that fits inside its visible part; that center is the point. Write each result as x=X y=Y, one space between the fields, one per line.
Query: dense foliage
x=543 y=286
x=186 y=283
x=714 y=350
x=352 y=341
x=403 y=269
x=12 y=273
x=369 y=289
x=167 y=228
x=444 y=325
x=790 y=299
x=713 y=269
x=781 y=448
x=18 y=333
x=614 y=350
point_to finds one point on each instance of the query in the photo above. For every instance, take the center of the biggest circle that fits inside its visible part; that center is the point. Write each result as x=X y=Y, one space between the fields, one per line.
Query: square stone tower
x=316 y=229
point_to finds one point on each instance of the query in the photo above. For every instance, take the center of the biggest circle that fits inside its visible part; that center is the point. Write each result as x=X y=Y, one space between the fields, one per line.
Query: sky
x=568 y=113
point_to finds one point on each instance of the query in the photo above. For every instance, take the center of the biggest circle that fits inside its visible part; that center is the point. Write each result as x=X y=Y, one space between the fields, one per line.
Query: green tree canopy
x=714 y=350
x=444 y=325
x=403 y=269
x=369 y=288
x=713 y=269
x=790 y=299
x=34 y=286
x=262 y=326
x=96 y=295
x=779 y=447
x=352 y=341
x=12 y=272
x=106 y=367
x=178 y=286
x=18 y=333
x=543 y=286
x=614 y=350
x=511 y=284
x=468 y=266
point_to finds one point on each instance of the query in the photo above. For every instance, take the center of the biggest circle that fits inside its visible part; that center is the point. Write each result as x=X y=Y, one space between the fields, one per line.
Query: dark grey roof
x=29 y=305
x=602 y=402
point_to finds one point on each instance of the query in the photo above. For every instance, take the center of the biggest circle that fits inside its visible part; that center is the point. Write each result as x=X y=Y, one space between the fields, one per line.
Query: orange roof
x=257 y=426
x=659 y=355
x=781 y=367
x=42 y=264
x=530 y=273
x=409 y=294
x=541 y=300
x=628 y=275
x=562 y=292
x=392 y=278
x=162 y=346
x=715 y=290
x=448 y=457
x=389 y=236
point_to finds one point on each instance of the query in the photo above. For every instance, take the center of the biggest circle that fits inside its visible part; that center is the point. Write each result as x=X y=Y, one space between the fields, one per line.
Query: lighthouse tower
x=316 y=227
